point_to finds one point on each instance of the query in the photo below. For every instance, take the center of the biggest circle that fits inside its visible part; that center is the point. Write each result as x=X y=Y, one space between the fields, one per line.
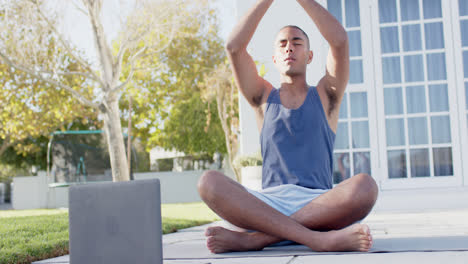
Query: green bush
x=248 y=160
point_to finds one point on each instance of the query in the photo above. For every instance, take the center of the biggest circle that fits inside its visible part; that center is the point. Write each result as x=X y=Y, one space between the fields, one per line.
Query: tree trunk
x=115 y=141
x=227 y=134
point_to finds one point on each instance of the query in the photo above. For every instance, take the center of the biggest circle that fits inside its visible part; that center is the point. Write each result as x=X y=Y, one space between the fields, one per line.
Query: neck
x=294 y=84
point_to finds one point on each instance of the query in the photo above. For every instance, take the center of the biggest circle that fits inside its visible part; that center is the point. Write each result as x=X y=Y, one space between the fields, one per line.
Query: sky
x=75 y=26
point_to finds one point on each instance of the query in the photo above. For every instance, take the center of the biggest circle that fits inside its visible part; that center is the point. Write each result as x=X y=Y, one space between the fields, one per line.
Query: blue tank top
x=297 y=144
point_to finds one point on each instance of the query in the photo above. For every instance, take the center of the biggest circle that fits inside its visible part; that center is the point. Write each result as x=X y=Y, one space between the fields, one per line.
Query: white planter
x=251 y=177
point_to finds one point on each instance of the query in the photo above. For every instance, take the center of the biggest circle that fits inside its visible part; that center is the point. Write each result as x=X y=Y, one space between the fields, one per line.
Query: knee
x=367 y=187
x=207 y=183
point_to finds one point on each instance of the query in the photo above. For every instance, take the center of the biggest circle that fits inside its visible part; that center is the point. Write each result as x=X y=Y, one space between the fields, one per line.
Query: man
x=298 y=125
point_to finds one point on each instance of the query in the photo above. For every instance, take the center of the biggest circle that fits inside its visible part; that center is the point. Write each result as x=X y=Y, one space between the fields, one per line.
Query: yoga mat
x=196 y=249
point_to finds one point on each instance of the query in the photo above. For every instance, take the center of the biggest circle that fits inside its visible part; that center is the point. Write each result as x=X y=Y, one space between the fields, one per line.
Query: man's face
x=292 y=52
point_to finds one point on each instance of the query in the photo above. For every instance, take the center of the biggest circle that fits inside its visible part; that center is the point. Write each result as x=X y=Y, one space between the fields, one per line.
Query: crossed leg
x=325 y=224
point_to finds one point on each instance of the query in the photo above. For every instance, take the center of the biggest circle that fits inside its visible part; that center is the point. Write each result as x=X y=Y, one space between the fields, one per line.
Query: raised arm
x=337 y=71
x=252 y=86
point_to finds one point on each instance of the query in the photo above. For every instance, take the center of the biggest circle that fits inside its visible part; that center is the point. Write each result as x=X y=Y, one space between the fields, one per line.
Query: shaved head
x=300 y=29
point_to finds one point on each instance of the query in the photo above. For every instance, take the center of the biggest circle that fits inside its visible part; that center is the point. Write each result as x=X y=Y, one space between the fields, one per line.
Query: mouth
x=289 y=59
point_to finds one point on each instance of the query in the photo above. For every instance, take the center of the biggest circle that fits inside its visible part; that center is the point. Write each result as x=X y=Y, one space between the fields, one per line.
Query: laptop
x=116 y=222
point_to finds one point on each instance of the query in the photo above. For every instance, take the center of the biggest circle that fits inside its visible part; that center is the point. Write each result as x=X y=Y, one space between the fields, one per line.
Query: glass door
x=355 y=150
x=416 y=94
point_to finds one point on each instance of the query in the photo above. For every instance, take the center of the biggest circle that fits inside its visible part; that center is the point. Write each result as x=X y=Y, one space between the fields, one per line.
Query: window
x=349 y=17
x=463 y=7
x=352 y=144
x=416 y=108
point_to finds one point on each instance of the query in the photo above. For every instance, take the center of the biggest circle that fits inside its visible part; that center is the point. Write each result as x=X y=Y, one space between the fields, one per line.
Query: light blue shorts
x=287 y=198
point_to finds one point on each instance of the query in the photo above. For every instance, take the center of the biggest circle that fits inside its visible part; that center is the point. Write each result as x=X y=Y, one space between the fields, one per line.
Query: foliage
x=7 y=172
x=146 y=30
x=32 y=108
x=140 y=157
x=218 y=86
x=36 y=156
x=164 y=164
x=186 y=129
x=168 y=109
x=248 y=160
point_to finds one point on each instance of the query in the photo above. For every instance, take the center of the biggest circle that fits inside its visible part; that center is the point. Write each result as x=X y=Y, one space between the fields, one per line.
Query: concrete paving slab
x=409 y=237
x=412 y=244
x=181 y=237
x=62 y=259
x=387 y=258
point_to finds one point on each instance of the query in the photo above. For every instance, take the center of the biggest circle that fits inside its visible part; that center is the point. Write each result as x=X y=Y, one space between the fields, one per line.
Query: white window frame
x=460 y=81
x=423 y=182
x=366 y=86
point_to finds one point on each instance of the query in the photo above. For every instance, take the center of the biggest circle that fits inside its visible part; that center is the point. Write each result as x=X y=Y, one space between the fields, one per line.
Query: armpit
x=332 y=101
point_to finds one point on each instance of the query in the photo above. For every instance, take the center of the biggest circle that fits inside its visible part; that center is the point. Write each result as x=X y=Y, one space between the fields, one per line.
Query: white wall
x=57 y=197
x=34 y=192
x=181 y=187
x=280 y=14
x=176 y=187
x=30 y=192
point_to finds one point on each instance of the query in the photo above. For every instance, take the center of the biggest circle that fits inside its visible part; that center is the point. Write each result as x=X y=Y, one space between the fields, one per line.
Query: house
x=403 y=118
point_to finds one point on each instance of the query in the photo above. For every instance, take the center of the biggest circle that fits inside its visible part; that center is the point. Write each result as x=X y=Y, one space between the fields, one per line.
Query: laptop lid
x=116 y=222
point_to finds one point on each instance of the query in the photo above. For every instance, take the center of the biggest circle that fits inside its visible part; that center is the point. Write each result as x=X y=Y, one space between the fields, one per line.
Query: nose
x=289 y=48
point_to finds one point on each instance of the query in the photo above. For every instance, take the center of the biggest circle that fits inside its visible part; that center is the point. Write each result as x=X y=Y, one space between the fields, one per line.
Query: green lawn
x=31 y=235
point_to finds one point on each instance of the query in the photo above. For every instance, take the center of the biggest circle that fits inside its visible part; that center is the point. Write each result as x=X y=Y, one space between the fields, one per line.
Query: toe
x=211 y=244
x=364 y=247
x=366 y=229
x=210 y=241
x=211 y=231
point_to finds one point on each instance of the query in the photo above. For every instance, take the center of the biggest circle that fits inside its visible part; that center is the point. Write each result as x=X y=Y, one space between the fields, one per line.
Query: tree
x=146 y=31
x=32 y=109
x=168 y=110
x=219 y=84
x=193 y=127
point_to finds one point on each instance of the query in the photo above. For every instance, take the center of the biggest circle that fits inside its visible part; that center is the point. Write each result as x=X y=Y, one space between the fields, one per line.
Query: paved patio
x=400 y=237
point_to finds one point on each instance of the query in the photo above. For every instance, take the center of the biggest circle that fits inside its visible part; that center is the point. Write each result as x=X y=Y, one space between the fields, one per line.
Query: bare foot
x=220 y=240
x=356 y=237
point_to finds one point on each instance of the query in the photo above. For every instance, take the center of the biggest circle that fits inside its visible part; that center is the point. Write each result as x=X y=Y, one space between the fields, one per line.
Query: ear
x=274 y=59
x=311 y=56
